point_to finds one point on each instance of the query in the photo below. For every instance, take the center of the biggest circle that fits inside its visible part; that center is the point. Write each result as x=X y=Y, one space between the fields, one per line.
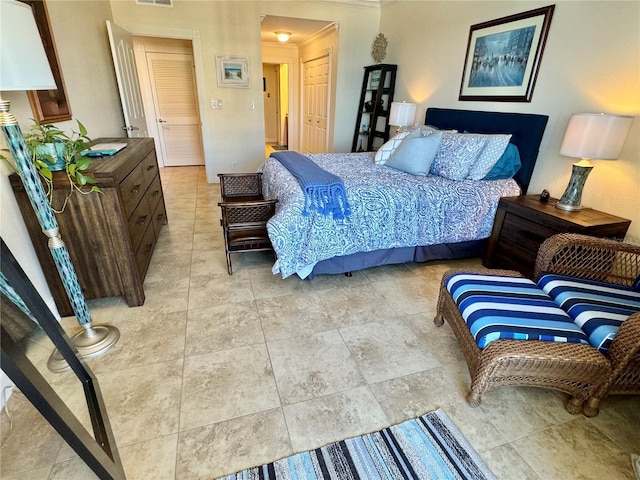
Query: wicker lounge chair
x=568 y=367
x=577 y=369
x=608 y=261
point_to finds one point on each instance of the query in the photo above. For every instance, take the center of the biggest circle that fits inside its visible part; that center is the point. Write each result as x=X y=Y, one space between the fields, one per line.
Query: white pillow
x=385 y=151
x=456 y=154
x=491 y=153
x=414 y=155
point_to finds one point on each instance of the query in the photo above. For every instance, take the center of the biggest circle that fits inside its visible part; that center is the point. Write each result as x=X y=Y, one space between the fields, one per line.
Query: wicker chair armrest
x=591 y=258
x=626 y=343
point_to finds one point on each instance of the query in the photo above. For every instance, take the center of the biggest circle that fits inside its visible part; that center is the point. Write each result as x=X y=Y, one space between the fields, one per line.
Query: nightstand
x=523 y=223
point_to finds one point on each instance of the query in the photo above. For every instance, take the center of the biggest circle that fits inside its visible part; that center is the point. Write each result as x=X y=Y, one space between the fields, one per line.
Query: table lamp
x=24 y=66
x=402 y=114
x=590 y=136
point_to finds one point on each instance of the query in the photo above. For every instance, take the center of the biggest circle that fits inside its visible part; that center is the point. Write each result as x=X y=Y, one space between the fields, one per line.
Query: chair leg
x=591 y=407
x=229 y=269
x=574 y=405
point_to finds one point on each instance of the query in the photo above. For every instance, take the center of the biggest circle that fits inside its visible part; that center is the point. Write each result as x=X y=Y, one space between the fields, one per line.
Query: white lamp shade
x=402 y=114
x=23 y=61
x=595 y=136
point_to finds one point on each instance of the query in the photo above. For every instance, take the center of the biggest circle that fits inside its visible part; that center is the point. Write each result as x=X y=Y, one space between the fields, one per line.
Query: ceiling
x=300 y=28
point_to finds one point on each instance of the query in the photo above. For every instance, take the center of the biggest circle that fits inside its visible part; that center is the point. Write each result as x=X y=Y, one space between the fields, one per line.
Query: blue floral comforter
x=389 y=209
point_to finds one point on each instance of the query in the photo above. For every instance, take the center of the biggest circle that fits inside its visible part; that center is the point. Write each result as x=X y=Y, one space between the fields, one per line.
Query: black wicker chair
x=244 y=225
x=240 y=187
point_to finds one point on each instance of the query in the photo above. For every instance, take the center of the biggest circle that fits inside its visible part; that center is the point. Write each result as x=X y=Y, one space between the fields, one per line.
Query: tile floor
x=216 y=373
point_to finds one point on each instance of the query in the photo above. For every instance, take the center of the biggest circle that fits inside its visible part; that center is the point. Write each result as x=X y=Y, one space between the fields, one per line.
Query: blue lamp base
x=572 y=196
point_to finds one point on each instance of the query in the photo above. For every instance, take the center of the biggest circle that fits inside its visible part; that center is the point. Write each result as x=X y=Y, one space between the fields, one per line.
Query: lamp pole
x=91 y=341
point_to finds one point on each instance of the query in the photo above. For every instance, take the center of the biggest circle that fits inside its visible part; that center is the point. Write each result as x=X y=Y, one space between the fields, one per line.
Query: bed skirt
x=360 y=261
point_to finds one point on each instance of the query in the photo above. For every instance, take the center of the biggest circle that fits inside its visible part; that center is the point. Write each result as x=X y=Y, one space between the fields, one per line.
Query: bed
x=396 y=217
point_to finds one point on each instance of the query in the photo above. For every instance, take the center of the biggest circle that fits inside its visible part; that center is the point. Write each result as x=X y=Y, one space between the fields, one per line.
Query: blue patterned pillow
x=508 y=165
x=414 y=155
x=386 y=150
x=491 y=153
x=456 y=154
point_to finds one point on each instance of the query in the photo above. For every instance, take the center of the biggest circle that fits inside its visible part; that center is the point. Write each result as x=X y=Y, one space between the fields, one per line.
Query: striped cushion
x=495 y=307
x=596 y=307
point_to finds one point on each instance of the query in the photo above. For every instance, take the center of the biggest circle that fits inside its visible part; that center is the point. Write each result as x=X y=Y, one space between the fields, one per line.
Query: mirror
x=29 y=329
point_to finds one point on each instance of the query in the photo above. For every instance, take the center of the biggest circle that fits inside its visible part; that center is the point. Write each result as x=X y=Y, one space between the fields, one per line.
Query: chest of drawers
x=110 y=235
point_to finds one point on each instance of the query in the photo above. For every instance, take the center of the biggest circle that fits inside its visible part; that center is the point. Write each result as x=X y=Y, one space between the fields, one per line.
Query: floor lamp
x=24 y=66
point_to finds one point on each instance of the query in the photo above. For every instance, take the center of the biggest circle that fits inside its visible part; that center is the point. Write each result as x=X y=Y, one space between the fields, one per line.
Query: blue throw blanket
x=324 y=192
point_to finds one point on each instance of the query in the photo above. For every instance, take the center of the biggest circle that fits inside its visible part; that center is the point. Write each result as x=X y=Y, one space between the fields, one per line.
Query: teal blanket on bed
x=324 y=192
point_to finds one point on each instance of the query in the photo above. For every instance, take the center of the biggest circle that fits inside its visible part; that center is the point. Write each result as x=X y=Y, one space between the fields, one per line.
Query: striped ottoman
x=497 y=306
x=513 y=334
x=597 y=308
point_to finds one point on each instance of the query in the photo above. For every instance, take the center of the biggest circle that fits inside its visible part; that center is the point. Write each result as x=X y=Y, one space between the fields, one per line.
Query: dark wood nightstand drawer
x=523 y=223
x=524 y=233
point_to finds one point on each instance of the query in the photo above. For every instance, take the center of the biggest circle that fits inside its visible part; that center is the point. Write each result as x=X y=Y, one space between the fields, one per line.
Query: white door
x=315 y=104
x=175 y=100
x=127 y=77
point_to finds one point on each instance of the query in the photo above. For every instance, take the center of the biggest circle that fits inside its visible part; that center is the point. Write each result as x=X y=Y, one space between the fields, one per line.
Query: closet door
x=315 y=104
x=173 y=87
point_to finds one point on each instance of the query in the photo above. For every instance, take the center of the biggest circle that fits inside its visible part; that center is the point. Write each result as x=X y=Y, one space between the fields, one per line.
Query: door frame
x=194 y=36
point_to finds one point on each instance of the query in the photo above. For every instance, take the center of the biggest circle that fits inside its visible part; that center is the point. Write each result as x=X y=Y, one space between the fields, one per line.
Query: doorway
x=170 y=98
x=275 y=86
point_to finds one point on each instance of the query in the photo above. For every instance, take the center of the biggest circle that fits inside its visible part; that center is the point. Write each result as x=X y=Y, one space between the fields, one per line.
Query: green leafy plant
x=63 y=151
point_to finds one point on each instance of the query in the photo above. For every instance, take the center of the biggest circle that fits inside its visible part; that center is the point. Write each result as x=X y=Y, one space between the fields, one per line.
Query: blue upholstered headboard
x=526 y=130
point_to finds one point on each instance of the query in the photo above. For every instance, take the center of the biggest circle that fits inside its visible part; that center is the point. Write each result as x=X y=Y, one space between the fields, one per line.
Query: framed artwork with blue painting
x=232 y=71
x=504 y=55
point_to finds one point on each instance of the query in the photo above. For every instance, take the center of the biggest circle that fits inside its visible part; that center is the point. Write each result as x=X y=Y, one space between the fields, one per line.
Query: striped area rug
x=429 y=447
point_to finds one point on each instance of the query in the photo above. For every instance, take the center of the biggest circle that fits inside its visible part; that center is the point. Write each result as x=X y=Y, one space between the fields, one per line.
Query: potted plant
x=53 y=150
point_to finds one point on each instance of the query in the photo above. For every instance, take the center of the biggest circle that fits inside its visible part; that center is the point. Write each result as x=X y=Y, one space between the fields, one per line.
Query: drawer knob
x=149 y=248
x=136 y=188
x=143 y=220
x=150 y=167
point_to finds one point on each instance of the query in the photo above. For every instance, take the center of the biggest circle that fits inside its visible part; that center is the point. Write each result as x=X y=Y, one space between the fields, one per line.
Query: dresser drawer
x=132 y=189
x=149 y=166
x=138 y=223
x=154 y=193
x=145 y=251
x=159 y=218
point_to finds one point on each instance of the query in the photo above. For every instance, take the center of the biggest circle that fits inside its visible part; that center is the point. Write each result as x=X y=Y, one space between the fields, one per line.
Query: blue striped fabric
x=597 y=308
x=498 y=307
x=426 y=448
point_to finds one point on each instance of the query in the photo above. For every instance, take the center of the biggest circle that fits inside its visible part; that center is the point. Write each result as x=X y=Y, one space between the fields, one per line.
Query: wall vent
x=156 y=3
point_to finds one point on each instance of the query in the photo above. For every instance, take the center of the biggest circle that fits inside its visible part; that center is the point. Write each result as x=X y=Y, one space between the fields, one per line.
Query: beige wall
x=236 y=133
x=591 y=63
x=85 y=62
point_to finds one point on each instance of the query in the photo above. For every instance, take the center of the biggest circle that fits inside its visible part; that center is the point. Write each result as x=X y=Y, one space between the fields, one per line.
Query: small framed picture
x=374 y=79
x=232 y=71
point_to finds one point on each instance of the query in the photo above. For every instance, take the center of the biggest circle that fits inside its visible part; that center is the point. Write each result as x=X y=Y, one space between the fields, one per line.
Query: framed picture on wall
x=233 y=71
x=48 y=106
x=503 y=57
